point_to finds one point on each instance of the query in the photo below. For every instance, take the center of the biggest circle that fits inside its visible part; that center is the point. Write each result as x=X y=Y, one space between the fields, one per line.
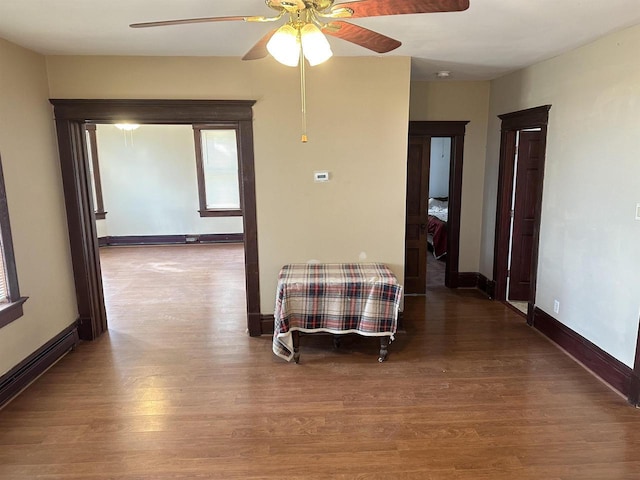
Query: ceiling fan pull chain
x=303 y=96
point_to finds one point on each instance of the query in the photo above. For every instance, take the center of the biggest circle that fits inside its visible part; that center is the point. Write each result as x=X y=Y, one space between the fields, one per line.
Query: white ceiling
x=490 y=39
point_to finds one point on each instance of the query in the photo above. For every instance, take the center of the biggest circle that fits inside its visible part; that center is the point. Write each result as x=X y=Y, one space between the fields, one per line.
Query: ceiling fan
x=302 y=35
x=308 y=19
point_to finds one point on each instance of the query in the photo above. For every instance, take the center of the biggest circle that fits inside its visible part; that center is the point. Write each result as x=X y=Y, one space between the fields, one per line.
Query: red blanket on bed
x=438 y=229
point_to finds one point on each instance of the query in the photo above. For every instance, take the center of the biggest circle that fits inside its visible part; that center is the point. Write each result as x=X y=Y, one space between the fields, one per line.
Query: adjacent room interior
x=147 y=182
x=438 y=210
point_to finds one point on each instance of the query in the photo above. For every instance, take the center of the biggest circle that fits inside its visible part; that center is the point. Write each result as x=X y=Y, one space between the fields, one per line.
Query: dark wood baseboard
x=634 y=389
x=467 y=280
x=266 y=324
x=488 y=287
x=476 y=280
x=609 y=369
x=20 y=376
x=171 y=239
x=216 y=238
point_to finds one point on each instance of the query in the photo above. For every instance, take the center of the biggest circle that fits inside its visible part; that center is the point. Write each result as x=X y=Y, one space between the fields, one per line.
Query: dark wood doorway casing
x=456 y=131
x=634 y=387
x=415 y=242
x=70 y=118
x=537 y=117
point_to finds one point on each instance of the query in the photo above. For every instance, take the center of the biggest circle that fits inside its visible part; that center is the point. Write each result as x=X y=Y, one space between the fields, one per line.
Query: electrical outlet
x=556 y=306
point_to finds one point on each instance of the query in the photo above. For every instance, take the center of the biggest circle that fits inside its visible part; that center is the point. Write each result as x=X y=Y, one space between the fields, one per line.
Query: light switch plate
x=638 y=211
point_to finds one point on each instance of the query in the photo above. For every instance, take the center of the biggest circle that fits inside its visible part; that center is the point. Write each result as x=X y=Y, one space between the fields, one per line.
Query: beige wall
x=461 y=101
x=357 y=116
x=589 y=256
x=36 y=206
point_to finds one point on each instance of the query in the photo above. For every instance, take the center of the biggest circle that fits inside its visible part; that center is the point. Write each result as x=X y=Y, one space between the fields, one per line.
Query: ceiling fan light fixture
x=284 y=46
x=315 y=45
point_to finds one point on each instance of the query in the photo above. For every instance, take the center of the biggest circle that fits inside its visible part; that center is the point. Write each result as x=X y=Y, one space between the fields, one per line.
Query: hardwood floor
x=176 y=389
x=435 y=271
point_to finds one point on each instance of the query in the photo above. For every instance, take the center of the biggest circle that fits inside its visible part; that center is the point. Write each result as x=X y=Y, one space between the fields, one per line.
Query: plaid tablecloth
x=340 y=298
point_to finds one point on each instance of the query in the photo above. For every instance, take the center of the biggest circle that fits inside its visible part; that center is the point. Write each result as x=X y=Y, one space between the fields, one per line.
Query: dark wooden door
x=528 y=177
x=415 y=256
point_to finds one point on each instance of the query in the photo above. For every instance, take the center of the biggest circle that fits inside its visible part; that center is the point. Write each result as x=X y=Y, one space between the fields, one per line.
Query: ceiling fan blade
x=259 y=50
x=186 y=21
x=361 y=36
x=376 y=8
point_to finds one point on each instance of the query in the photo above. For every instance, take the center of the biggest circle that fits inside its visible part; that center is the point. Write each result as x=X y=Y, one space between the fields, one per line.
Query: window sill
x=11 y=311
x=220 y=213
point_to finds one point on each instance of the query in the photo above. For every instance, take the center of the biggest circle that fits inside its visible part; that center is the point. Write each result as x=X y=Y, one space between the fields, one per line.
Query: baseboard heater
x=171 y=239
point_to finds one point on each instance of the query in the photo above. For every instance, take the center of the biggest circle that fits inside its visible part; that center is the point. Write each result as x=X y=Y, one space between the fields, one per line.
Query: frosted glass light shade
x=284 y=46
x=315 y=45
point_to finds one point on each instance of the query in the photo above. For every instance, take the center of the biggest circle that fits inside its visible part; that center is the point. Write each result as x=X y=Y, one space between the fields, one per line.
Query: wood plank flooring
x=435 y=271
x=177 y=390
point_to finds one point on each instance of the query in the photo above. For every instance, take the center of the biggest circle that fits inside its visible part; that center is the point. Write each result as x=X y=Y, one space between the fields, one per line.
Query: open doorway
x=521 y=176
x=433 y=201
x=526 y=182
x=166 y=198
x=438 y=210
x=71 y=117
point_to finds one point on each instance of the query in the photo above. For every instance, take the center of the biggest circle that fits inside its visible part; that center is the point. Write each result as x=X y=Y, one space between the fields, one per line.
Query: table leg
x=384 y=345
x=295 y=336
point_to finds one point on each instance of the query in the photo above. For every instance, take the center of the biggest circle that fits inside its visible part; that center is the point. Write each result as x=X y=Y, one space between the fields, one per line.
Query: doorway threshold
x=520 y=308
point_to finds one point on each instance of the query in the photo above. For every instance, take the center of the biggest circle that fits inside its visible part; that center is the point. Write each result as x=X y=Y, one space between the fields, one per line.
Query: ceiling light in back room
x=443 y=74
x=127 y=127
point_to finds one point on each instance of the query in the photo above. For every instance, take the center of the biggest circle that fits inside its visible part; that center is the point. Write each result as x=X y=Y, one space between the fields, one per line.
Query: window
x=10 y=300
x=217 y=165
x=94 y=170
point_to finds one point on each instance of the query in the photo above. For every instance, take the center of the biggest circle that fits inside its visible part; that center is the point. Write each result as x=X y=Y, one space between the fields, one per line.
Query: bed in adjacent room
x=438 y=215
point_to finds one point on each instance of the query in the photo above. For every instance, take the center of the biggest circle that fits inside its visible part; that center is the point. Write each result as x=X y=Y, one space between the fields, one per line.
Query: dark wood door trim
x=83 y=238
x=71 y=116
x=634 y=388
x=537 y=117
x=418 y=167
x=456 y=131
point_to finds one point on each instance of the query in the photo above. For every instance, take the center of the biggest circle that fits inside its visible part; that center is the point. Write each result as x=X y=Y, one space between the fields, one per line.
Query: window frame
x=12 y=310
x=202 y=188
x=95 y=167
